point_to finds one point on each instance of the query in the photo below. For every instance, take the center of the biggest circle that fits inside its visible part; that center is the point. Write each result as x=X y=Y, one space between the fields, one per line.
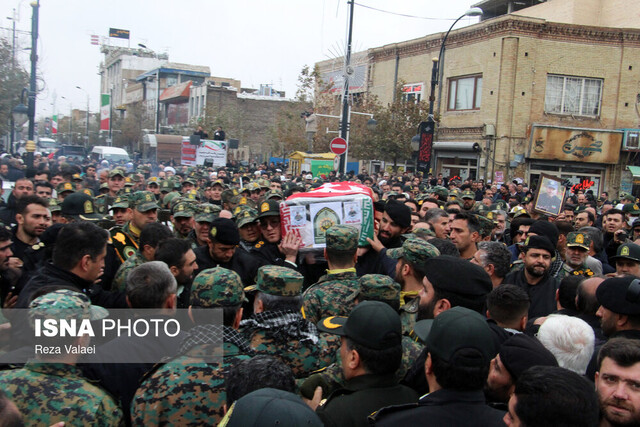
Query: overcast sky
x=255 y=41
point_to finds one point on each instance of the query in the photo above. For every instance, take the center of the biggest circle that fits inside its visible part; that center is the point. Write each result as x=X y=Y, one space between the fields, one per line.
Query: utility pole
x=344 y=128
x=31 y=145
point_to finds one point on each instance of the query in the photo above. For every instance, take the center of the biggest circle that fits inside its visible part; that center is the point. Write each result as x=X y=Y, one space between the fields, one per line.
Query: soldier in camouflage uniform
x=182 y=220
x=576 y=253
x=373 y=287
x=410 y=257
x=334 y=294
x=126 y=239
x=204 y=214
x=277 y=328
x=50 y=389
x=247 y=221
x=190 y=390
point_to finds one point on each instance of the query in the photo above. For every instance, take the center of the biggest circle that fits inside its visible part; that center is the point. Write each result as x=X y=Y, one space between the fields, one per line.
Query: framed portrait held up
x=549 y=196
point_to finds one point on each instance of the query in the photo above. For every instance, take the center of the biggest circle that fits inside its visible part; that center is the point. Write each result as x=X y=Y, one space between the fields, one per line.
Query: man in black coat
x=221 y=251
x=460 y=347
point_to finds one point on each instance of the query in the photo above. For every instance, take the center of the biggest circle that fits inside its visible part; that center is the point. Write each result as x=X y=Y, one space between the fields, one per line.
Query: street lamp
x=474 y=11
x=87 y=138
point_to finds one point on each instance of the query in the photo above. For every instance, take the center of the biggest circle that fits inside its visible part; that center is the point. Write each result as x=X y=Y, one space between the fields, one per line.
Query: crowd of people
x=467 y=306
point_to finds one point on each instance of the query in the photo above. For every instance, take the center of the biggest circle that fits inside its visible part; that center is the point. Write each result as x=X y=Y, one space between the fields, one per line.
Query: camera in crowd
x=304 y=114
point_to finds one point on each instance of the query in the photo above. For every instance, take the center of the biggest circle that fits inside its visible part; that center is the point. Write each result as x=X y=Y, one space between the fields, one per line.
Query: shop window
x=465 y=93
x=578 y=96
x=412 y=92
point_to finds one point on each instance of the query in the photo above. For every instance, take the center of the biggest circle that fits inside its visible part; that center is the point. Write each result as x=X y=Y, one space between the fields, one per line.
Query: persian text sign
x=575 y=144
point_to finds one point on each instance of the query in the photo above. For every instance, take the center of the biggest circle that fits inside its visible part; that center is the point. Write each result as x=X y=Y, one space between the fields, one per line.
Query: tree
x=397 y=124
x=12 y=80
x=136 y=119
x=307 y=81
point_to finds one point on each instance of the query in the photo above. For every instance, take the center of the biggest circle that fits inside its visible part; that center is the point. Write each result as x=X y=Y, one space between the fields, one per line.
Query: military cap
x=76 y=177
x=246 y=216
x=153 y=181
x=342 y=237
x=217 y=287
x=273 y=194
x=241 y=199
x=224 y=230
x=65 y=187
x=206 y=212
x=518 y=211
x=183 y=209
x=228 y=194
x=631 y=208
x=492 y=215
x=629 y=197
x=217 y=182
x=269 y=406
x=54 y=206
x=468 y=194
x=440 y=191
x=482 y=209
x=372 y=324
x=486 y=225
x=628 y=251
x=170 y=197
x=526 y=200
x=121 y=202
x=264 y=183
x=80 y=206
x=453 y=274
x=116 y=172
x=578 y=240
x=278 y=281
x=65 y=304
x=620 y=295
x=415 y=251
x=144 y=201
x=420 y=233
x=378 y=287
x=88 y=192
x=501 y=204
x=270 y=208
x=104 y=186
x=191 y=195
x=539 y=242
x=135 y=177
x=580 y=209
x=457 y=329
x=188 y=181
x=166 y=185
x=552 y=184
x=126 y=191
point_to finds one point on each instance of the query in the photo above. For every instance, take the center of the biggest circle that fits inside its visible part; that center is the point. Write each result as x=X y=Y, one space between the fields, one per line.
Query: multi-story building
x=550 y=88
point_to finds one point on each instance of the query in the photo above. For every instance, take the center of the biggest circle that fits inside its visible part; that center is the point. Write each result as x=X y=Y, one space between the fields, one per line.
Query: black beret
x=540 y=242
x=399 y=213
x=547 y=229
x=620 y=295
x=225 y=231
x=520 y=352
x=453 y=274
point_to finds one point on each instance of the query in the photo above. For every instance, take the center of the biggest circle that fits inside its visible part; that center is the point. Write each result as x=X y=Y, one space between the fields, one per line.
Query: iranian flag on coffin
x=311 y=214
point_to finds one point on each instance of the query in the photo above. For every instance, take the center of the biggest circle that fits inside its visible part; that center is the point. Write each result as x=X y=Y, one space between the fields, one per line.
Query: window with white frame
x=412 y=92
x=578 y=96
x=465 y=93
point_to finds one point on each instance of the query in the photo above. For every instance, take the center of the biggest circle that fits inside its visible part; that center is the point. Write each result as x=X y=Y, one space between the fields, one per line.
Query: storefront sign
x=575 y=144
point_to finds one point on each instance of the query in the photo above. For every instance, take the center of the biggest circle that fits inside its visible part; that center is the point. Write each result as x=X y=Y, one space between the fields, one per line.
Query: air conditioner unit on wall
x=488 y=130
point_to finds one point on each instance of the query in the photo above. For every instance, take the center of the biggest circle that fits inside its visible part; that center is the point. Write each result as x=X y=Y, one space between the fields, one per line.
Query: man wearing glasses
x=276 y=250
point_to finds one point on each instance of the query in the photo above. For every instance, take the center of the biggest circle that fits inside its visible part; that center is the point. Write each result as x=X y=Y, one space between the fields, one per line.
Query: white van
x=111 y=154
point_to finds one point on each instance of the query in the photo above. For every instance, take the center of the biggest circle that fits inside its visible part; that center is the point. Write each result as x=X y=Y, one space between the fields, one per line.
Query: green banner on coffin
x=321 y=167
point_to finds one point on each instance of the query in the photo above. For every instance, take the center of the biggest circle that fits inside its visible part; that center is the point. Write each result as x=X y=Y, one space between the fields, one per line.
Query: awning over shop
x=177 y=93
x=456 y=146
x=635 y=171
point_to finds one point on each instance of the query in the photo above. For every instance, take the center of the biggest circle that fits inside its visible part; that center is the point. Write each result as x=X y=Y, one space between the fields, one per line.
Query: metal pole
x=158 y=100
x=31 y=146
x=441 y=59
x=110 y=116
x=88 y=115
x=13 y=45
x=344 y=128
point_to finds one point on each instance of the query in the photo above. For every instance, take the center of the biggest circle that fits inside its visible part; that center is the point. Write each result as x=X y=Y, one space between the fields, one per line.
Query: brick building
x=549 y=88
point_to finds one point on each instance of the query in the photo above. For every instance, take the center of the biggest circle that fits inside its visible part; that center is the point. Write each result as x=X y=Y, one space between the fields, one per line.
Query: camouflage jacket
x=409 y=314
x=47 y=393
x=124 y=241
x=120 y=280
x=332 y=295
x=289 y=337
x=189 y=390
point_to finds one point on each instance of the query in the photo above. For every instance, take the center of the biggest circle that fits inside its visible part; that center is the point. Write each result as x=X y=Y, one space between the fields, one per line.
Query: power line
x=403 y=14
